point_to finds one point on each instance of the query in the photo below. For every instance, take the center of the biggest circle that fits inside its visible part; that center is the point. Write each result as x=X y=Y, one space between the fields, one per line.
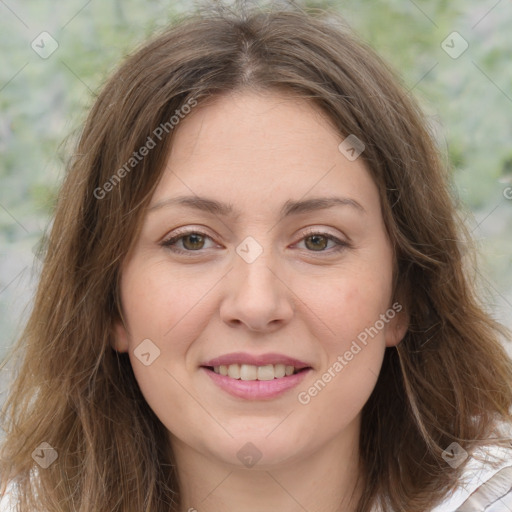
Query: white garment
x=482 y=488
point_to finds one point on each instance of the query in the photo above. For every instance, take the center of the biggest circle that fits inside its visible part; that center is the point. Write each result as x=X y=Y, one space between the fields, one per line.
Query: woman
x=254 y=295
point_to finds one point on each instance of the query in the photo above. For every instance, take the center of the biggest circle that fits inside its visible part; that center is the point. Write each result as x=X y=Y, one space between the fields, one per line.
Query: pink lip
x=256 y=360
x=256 y=389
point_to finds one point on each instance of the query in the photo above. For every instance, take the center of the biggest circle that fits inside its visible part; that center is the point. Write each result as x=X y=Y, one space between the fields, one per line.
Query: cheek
x=164 y=306
x=353 y=353
x=172 y=325
x=350 y=305
x=350 y=329
x=339 y=399
x=171 y=310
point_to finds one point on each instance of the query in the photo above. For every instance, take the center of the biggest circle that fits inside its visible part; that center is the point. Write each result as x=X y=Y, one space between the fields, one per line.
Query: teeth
x=266 y=372
x=279 y=370
x=251 y=372
x=248 y=372
x=233 y=371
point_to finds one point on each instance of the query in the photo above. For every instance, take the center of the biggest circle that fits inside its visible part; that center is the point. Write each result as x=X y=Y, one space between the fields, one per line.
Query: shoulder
x=483 y=486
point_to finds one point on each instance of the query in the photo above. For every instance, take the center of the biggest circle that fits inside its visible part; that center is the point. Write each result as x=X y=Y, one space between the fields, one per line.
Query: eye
x=319 y=241
x=191 y=241
x=194 y=241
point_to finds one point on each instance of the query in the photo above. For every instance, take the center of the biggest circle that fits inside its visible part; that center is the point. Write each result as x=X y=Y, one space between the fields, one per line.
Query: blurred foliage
x=43 y=102
x=48 y=99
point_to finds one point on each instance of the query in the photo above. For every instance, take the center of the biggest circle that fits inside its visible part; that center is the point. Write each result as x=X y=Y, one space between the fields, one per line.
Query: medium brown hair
x=449 y=380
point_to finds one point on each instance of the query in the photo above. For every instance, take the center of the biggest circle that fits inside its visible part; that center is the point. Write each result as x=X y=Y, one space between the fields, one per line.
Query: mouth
x=251 y=377
x=250 y=372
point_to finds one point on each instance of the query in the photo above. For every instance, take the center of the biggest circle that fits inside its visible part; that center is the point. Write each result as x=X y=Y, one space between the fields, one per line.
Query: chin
x=259 y=451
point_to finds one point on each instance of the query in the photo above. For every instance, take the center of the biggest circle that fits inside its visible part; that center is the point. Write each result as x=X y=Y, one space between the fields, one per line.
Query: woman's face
x=277 y=259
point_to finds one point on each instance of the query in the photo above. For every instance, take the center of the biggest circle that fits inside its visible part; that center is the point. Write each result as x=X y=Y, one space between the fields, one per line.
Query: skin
x=299 y=298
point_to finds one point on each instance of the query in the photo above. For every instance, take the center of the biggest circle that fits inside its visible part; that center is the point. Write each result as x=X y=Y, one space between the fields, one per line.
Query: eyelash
x=169 y=243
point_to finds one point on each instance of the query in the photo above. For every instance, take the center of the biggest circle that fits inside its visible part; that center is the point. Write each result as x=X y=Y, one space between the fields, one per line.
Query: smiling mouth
x=252 y=372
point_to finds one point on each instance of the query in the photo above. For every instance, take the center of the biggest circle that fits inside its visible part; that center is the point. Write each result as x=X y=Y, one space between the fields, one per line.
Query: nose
x=256 y=295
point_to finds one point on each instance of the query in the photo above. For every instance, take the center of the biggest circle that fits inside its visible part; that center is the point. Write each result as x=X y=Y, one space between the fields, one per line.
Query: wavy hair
x=449 y=380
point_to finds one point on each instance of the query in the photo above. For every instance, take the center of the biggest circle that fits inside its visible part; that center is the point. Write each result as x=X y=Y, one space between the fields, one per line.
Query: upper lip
x=256 y=360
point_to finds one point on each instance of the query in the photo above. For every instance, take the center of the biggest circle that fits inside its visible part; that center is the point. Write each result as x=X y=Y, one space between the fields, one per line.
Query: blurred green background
x=43 y=102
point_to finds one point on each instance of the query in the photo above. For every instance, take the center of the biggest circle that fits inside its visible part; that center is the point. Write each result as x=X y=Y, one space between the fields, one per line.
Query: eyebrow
x=289 y=207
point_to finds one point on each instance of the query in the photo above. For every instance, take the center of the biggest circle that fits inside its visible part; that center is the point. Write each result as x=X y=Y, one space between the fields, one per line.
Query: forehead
x=269 y=122
x=253 y=149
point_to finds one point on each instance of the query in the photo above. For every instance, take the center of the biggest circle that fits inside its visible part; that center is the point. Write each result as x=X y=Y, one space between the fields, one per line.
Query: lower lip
x=256 y=389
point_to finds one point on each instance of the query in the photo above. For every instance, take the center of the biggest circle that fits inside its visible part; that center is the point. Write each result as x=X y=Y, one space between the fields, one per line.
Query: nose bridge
x=256 y=295
x=255 y=259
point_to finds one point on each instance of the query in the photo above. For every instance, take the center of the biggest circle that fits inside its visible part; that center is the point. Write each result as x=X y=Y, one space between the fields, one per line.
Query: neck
x=321 y=480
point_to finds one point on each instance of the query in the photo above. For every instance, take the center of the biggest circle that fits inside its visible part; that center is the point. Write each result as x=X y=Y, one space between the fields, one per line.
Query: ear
x=119 y=339
x=397 y=325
